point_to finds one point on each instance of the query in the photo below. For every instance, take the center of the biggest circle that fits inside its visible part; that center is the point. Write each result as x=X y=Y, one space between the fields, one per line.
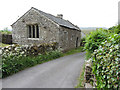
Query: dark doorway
x=77 y=42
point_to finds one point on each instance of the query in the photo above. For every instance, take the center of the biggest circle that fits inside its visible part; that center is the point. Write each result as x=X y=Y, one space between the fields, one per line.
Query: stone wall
x=6 y=38
x=28 y=50
x=89 y=77
x=69 y=38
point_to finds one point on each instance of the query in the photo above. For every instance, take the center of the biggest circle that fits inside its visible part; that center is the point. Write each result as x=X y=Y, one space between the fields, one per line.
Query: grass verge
x=81 y=78
x=3 y=45
x=73 y=51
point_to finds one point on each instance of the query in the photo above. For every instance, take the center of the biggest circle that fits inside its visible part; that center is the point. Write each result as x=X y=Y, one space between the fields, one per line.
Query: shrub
x=94 y=40
x=12 y=64
x=115 y=29
x=16 y=58
x=106 y=63
x=82 y=43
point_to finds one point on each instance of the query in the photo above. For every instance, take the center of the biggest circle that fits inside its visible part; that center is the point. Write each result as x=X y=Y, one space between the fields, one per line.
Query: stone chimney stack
x=60 y=16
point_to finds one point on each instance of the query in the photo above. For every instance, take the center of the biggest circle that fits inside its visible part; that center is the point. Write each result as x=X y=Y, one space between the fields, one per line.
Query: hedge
x=106 y=63
x=93 y=41
x=103 y=47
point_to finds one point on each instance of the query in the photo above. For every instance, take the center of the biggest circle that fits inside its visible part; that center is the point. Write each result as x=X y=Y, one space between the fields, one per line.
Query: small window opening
x=33 y=31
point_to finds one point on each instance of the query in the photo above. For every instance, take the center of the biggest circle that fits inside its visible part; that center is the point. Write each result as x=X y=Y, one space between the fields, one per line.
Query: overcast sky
x=83 y=13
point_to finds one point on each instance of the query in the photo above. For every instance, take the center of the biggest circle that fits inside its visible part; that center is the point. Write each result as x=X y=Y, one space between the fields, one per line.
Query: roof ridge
x=59 y=21
x=43 y=12
x=75 y=27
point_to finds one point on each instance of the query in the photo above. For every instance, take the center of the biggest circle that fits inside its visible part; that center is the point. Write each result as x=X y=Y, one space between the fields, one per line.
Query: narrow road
x=59 y=73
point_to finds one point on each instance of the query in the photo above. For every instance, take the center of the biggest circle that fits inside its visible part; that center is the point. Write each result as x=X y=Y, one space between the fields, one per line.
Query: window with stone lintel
x=33 y=31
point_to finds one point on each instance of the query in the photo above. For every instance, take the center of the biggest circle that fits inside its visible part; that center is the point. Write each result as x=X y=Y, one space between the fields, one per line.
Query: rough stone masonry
x=36 y=27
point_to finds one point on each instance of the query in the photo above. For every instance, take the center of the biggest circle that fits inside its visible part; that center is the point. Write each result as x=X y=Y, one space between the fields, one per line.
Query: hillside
x=87 y=30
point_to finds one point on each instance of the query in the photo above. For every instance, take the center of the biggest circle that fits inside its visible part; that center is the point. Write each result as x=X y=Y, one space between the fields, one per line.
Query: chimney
x=60 y=16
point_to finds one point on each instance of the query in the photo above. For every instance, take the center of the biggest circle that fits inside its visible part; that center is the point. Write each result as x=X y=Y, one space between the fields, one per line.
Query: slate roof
x=59 y=21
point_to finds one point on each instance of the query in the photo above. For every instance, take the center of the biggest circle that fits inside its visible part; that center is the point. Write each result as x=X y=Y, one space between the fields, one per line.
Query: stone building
x=36 y=27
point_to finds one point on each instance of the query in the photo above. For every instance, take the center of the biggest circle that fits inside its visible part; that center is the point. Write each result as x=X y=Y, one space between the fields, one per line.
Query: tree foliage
x=94 y=40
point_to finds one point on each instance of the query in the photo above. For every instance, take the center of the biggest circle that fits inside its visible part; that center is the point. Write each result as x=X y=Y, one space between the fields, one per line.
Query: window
x=33 y=31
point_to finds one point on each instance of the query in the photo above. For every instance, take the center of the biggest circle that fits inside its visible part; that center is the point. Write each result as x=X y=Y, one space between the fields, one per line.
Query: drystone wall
x=89 y=77
x=25 y=50
x=6 y=38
